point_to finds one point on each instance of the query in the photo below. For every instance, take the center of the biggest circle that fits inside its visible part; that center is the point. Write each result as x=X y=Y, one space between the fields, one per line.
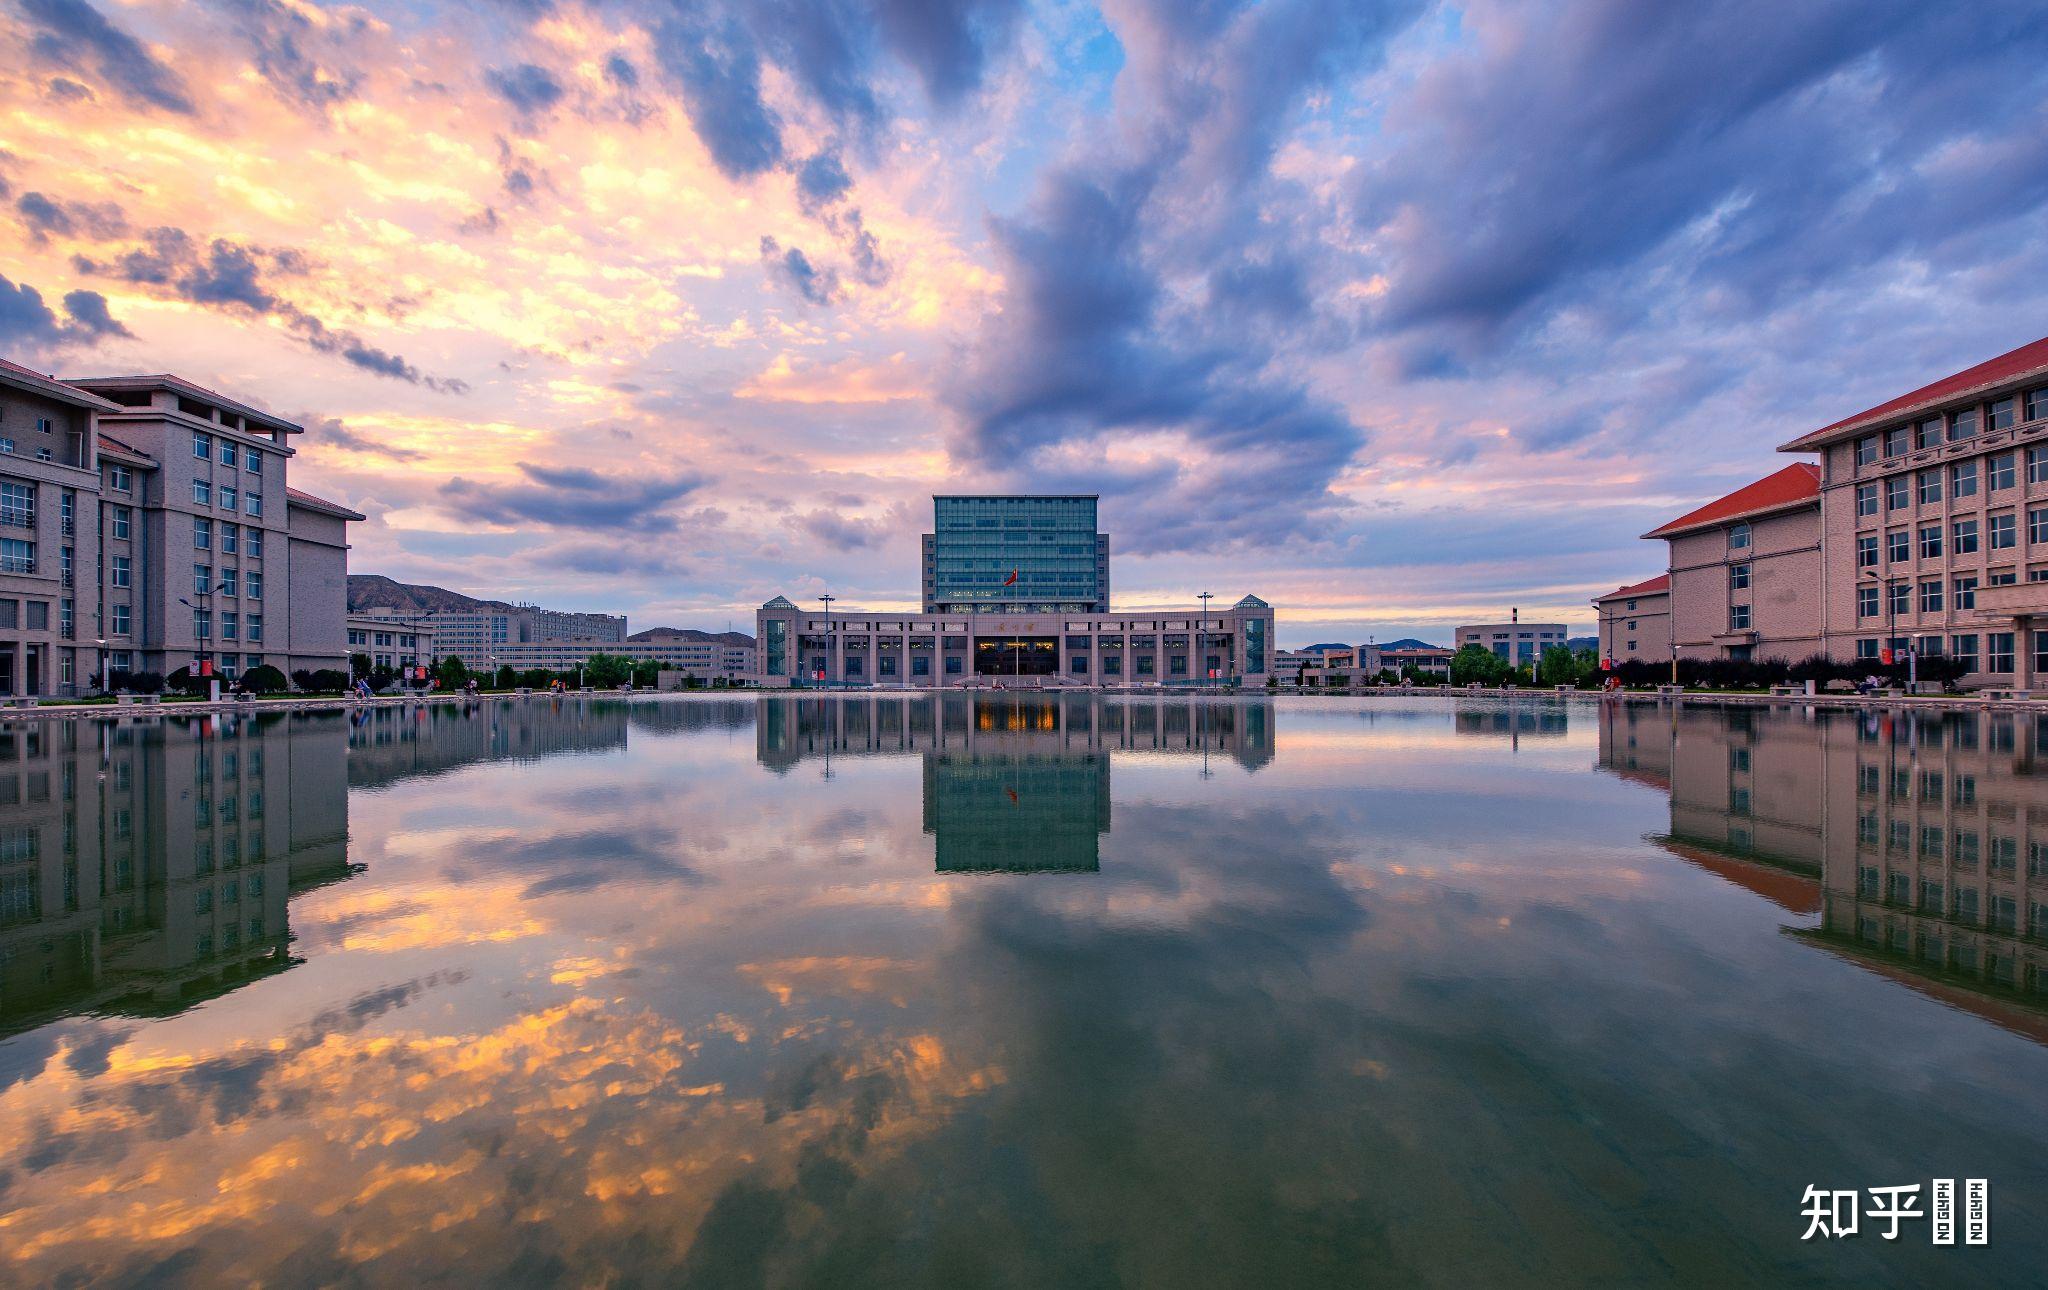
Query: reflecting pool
x=1018 y=990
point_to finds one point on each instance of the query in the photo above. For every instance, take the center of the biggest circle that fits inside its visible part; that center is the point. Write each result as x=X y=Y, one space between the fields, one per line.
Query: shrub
x=135 y=682
x=264 y=679
x=326 y=680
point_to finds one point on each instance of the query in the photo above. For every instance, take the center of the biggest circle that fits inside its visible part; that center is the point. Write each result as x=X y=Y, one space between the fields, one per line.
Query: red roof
x=1662 y=582
x=109 y=443
x=2025 y=361
x=321 y=503
x=1796 y=484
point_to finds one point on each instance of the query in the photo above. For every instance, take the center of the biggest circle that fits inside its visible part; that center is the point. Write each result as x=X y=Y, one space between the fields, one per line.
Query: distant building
x=701 y=658
x=1516 y=641
x=485 y=632
x=562 y=625
x=1015 y=555
x=1426 y=659
x=394 y=645
x=1635 y=621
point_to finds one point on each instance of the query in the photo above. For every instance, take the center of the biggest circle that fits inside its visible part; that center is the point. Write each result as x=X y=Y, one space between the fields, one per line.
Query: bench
x=147 y=700
x=1787 y=691
x=1566 y=689
x=2008 y=694
x=24 y=701
x=1671 y=689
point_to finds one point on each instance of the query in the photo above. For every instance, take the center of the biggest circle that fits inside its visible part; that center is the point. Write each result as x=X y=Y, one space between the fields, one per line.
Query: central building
x=1016 y=555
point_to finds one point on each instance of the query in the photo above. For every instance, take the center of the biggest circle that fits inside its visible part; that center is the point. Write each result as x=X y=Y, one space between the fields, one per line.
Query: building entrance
x=1017 y=656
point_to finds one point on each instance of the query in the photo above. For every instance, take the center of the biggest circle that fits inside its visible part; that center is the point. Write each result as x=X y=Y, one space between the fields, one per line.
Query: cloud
x=243 y=278
x=72 y=31
x=718 y=70
x=289 y=50
x=29 y=323
x=572 y=497
x=619 y=70
x=822 y=181
x=330 y=431
x=841 y=532
x=528 y=87
x=44 y=217
x=850 y=380
x=948 y=44
x=792 y=270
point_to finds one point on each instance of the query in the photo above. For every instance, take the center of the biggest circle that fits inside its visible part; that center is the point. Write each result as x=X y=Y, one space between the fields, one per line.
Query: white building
x=1514 y=640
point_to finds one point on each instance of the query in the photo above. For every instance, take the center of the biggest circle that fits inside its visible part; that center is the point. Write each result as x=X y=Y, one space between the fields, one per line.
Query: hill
x=1408 y=642
x=691 y=634
x=375 y=591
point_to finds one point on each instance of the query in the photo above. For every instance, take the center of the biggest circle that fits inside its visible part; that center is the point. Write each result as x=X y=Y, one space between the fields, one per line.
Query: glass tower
x=1015 y=555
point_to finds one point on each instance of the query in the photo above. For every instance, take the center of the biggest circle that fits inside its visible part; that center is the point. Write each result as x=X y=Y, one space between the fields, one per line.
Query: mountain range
x=375 y=591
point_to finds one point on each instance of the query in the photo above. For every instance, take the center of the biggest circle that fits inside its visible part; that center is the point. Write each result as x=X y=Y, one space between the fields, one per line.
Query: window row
x=226 y=498
x=234 y=539
x=204 y=585
x=203 y=448
x=1932 y=432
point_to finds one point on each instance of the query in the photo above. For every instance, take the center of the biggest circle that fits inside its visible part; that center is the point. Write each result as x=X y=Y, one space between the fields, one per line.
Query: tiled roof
x=297 y=498
x=52 y=388
x=179 y=385
x=109 y=443
x=2029 y=359
x=1662 y=582
x=1795 y=484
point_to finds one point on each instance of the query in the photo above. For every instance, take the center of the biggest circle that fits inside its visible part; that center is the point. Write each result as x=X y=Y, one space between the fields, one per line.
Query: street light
x=828 y=598
x=1202 y=630
x=1891 y=630
x=100 y=644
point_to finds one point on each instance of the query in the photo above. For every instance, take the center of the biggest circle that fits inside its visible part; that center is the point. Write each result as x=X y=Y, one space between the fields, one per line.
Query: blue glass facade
x=1051 y=545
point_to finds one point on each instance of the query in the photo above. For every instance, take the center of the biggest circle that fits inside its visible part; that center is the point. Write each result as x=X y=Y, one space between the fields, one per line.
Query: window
x=202 y=623
x=1930 y=541
x=1738 y=576
x=119 y=480
x=1866 y=450
x=1928 y=433
x=1901 y=597
x=2002 y=531
x=1930 y=597
x=1930 y=486
x=18 y=505
x=1962 y=425
x=255 y=543
x=202 y=579
x=230 y=626
x=229 y=534
x=1897 y=492
x=227 y=453
x=2000 y=578
x=254 y=584
x=1898 y=546
x=2037 y=403
x=202 y=492
x=1895 y=440
x=1866 y=602
x=2001 y=414
x=254 y=623
x=1738 y=618
x=2001 y=472
x=227 y=582
x=254 y=503
x=1866 y=551
x=1998 y=652
x=117 y=575
x=1966 y=593
x=1966 y=537
x=17 y=556
x=229 y=500
x=202 y=535
x=120 y=618
x=202 y=447
x=253 y=462
x=1964 y=479
x=1866 y=499
x=121 y=520
x=1738 y=537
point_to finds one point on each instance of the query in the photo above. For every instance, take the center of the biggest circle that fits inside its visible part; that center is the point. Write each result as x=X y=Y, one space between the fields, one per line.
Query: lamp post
x=213 y=682
x=1202 y=632
x=100 y=649
x=828 y=598
x=1891 y=629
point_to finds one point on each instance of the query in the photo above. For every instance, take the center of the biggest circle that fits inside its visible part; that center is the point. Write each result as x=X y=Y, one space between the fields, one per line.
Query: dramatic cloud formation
x=1394 y=314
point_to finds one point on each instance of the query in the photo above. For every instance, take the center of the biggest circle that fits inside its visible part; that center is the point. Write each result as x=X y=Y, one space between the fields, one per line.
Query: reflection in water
x=1921 y=839
x=667 y=992
x=1013 y=783
x=145 y=866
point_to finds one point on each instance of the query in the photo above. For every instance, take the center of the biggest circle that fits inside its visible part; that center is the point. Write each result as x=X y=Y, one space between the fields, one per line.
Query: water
x=1024 y=992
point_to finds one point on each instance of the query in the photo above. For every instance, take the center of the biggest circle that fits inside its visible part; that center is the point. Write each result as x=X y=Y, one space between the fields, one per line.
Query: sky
x=1397 y=315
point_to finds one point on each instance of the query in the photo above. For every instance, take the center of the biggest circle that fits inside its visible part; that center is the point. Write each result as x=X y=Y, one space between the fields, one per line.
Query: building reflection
x=387 y=745
x=1013 y=783
x=147 y=864
x=1530 y=717
x=1920 y=839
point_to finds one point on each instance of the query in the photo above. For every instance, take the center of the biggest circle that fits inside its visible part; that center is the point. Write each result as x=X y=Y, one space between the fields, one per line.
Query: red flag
x=1884 y=656
x=1011 y=581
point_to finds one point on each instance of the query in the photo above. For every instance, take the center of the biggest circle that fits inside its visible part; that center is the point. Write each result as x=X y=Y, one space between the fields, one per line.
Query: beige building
x=146 y=525
x=1934 y=508
x=1745 y=571
x=1635 y=621
x=396 y=645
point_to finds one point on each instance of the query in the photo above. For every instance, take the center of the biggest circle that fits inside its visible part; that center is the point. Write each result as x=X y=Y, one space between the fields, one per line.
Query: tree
x=506 y=678
x=1559 y=666
x=359 y=665
x=381 y=677
x=452 y=673
x=606 y=671
x=1478 y=663
x=326 y=680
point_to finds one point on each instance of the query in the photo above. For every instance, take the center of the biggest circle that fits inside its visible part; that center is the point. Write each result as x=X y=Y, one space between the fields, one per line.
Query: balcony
x=2013 y=600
